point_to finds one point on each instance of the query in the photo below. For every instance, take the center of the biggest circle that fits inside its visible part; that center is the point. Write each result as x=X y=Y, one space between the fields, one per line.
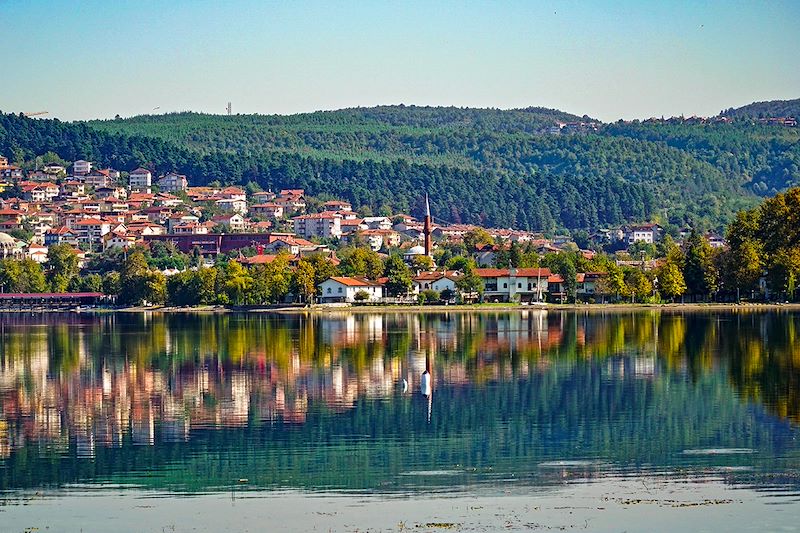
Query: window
x=329 y=290
x=519 y=285
x=505 y=285
x=340 y=290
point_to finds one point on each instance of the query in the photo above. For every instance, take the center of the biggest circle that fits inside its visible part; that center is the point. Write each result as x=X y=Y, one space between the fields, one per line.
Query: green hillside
x=772 y=108
x=489 y=166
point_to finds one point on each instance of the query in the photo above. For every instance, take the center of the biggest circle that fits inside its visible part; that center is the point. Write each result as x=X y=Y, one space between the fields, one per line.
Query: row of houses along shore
x=95 y=210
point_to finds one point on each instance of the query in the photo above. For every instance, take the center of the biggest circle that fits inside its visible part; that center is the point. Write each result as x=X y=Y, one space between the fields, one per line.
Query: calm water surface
x=530 y=420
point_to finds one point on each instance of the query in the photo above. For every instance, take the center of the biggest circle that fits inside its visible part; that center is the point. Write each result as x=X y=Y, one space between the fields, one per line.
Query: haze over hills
x=514 y=168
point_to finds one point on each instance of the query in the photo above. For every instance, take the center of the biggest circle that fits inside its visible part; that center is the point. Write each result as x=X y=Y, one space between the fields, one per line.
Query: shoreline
x=322 y=309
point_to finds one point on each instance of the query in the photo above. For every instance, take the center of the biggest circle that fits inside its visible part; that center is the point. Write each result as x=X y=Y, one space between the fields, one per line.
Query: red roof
x=258 y=259
x=520 y=272
x=353 y=282
x=48 y=295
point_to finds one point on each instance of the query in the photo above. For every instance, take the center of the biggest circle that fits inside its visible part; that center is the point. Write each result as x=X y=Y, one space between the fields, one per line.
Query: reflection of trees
x=764 y=355
x=529 y=381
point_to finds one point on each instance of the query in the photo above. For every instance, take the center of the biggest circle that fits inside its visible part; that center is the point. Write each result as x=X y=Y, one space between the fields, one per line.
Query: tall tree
x=399 y=276
x=699 y=270
x=62 y=266
x=304 y=280
x=133 y=279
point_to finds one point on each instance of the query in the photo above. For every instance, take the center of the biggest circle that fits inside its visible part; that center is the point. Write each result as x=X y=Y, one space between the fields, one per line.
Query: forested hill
x=495 y=167
x=772 y=108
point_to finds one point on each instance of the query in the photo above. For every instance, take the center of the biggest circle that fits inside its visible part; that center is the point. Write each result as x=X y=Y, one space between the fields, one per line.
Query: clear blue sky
x=615 y=59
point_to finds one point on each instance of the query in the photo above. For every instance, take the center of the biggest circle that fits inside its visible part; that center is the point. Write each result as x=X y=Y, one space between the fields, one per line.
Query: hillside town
x=103 y=215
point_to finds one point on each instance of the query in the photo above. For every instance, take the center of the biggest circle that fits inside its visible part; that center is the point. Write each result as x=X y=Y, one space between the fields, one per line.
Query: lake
x=528 y=420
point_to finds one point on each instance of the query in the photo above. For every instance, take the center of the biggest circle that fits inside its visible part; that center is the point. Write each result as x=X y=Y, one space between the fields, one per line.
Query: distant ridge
x=531 y=168
x=767 y=109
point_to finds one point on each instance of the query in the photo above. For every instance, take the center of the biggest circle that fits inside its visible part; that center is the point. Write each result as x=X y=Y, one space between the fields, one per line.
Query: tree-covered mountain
x=488 y=166
x=772 y=108
x=759 y=158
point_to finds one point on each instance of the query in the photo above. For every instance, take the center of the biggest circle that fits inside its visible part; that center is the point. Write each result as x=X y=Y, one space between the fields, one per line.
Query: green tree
x=670 y=280
x=133 y=279
x=421 y=263
x=637 y=285
x=614 y=282
x=399 y=276
x=62 y=266
x=428 y=295
x=24 y=276
x=476 y=238
x=155 y=287
x=699 y=270
x=304 y=280
x=111 y=283
x=470 y=285
x=362 y=262
x=784 y=272
x=237 y=283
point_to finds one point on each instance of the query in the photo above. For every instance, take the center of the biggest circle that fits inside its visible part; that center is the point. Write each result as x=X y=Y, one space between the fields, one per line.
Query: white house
x=436 y=281
x=647 y=233
x=236 y=205
x=507 y=285
x=81 y=167
x=378 y=222
x=234 y=222
x=345 y=289
x=325 y=225
x=269 y=210
x=173 y=182
x=140 y=180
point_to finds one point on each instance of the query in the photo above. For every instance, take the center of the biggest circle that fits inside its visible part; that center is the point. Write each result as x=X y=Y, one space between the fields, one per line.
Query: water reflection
x=393 y=401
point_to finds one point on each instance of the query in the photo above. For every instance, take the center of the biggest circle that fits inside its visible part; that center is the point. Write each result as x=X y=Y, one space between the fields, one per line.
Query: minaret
x=426 y=228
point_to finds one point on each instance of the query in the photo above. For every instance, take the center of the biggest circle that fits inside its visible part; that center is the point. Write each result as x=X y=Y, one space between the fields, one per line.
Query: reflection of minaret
x=426 y=384
x=426 y=228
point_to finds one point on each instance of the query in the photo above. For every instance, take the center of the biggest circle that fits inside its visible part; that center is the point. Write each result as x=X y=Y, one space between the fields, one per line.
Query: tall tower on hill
x=426 y=228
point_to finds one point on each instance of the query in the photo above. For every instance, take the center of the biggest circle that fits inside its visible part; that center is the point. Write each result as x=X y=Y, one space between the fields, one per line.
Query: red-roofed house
x=91 y=230
x=345 y=289
x=515 y=284
x=437 y=281
x=268 y=210
x=325 y=225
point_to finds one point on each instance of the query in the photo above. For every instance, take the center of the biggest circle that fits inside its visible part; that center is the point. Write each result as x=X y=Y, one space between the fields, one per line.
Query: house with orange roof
x=96 y=179
x=269 y=210
x=438 y=281
x=514 y=284
x=337 y=205
x=60 y=235
x=91 y=230
x=118 y=239
x=140 y=180
x=324 y=225
x=380 y=238
x=349 y=289
x=172 y=182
